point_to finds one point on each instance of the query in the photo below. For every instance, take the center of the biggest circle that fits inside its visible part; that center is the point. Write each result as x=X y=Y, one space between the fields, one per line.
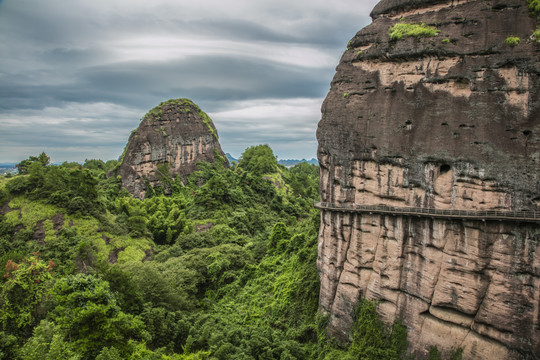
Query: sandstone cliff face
x=444 y=122
x=172 y=137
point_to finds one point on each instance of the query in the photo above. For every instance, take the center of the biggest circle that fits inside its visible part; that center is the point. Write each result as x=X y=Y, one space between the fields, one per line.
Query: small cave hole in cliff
x=527 y=132
x=444 y=169
x=408 y=124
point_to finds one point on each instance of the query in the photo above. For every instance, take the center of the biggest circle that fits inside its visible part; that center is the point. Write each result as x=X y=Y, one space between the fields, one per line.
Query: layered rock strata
x=169 y=142
x=452 y=122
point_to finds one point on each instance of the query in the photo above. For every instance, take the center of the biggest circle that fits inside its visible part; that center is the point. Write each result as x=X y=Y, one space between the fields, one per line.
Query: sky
x=77 y=76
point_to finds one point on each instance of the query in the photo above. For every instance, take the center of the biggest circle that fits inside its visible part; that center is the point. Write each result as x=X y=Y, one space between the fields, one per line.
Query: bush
x=3 y=195
x=372 y=339
x=534 y=6
x=398 y=31
x=279 y=238
x=23 y=293
x=88 y=314
x=76 y=205
x=73 y=188
x=512 y=41
x=536 y=35
x=17 y=185
x=24 y=165
x=434 y=353
x=259 y=160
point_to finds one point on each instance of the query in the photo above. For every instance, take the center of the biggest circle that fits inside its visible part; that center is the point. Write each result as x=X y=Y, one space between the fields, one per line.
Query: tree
x=259 y=160
x=90 y=318
x=94 y=164
x=165 y=219
x=23 y=293
x=304 y=179
x=73 y=188
x=372 y=339
x=278 y=239
x=24 y=165
x=47 y=343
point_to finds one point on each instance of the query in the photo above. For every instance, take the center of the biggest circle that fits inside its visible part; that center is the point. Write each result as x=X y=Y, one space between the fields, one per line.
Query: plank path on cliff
x=520 y=216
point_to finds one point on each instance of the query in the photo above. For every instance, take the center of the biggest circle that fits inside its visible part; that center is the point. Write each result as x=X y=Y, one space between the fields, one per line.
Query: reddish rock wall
x=444 y=124
x=468 y=284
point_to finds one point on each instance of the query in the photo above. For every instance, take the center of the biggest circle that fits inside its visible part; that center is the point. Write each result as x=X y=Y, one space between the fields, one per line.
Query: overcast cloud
x=76 y=76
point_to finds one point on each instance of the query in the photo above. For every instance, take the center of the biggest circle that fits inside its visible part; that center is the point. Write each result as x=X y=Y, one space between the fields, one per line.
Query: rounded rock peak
x=168 y=143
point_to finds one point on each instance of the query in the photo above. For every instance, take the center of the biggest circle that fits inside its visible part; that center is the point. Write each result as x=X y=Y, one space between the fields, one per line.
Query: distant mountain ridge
x=9 y=165
x=6 y=168
x=284 y=162
x=292 y=162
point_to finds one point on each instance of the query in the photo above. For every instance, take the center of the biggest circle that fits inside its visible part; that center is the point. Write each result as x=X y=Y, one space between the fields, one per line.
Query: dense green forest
x=223 y=267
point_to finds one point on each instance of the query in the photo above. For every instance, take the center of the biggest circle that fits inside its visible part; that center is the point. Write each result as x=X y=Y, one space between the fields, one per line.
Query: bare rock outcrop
x=448 y=120
x=169 y=141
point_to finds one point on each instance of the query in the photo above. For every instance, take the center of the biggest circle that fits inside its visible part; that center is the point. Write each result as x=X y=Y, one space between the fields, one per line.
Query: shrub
x=259 y=160
x=23 y=292
x=24 y=165
x=536 y=35
x=398 y=31
x=279 y=238
x=534 y=6
x=88 y=315
x=3 y=195
x=17 y=185
x=434 y=353
x=76 y=205
x=512 y=41
x=455 y=354
x=371 y=338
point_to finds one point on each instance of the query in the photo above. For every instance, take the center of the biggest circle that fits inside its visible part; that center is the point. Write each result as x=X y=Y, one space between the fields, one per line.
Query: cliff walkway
x=518 y=216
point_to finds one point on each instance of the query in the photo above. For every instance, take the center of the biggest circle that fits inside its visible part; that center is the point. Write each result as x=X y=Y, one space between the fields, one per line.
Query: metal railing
x=521 y=216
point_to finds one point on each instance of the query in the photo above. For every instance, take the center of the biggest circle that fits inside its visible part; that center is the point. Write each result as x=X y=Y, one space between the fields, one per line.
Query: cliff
x=169 y=141
x=436 y=106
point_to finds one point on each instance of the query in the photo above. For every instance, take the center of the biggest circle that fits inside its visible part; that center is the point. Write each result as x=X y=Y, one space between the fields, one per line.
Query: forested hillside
x=223 y=268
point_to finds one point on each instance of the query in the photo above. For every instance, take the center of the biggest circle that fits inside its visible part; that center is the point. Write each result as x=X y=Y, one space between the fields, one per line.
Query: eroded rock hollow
x=169 y=141
x=448 y=120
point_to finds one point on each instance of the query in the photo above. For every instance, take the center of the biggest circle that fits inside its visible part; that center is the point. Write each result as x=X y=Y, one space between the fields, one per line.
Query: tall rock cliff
x=435 y=108
x=171 y=138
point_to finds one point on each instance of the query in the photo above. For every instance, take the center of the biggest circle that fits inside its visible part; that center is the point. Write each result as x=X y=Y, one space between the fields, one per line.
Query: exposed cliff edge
x=448 y=118
x=171 y=138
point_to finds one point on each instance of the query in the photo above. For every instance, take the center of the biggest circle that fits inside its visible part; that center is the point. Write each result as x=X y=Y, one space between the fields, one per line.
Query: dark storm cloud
x=76 y=77
x=320 y=31
x=216 y=77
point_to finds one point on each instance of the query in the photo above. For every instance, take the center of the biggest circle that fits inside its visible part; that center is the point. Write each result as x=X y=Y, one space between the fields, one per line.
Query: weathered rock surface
x=444 y=122
x=171 y=138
